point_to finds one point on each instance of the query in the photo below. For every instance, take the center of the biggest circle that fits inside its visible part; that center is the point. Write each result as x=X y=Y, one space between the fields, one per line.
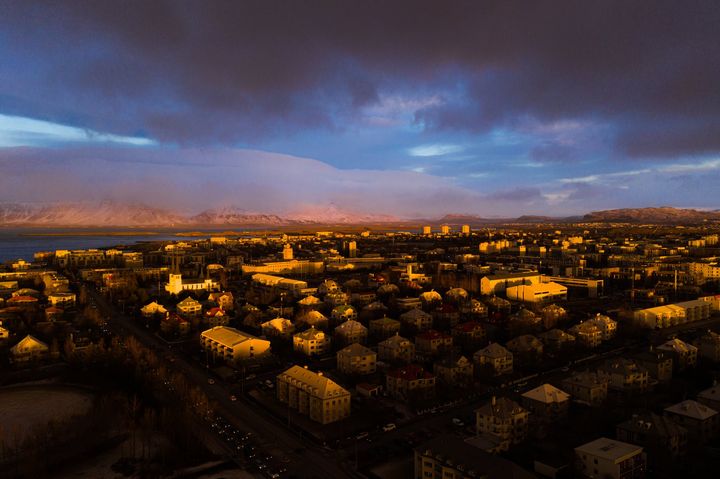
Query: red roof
x=468 y=326
x=431 y=334
x=215 y=312
x=410 y=372
x=22 y=299
x=448 y=308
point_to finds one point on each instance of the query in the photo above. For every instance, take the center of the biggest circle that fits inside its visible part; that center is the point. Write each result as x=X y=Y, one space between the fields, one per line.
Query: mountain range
x=110 y=213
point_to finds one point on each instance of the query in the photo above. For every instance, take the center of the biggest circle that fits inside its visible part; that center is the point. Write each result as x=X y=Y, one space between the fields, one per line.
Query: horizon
x=409 y=109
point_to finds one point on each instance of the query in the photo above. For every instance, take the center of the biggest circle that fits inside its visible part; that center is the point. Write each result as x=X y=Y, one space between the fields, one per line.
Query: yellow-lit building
x=189 y=307
x=313 y=394
x=311 y=342
x=231 y=345
x=29 y=349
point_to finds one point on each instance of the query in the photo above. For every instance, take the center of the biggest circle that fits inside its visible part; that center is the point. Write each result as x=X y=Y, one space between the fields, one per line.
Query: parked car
x=458 y=422
x=389 y=427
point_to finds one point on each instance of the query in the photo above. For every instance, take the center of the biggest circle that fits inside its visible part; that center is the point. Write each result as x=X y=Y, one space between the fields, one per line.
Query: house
x=350 y=332
x=177 y=285
x=152 y=309
x=551 y=315
x=396 y=349
x=356 y=359
x=658 y=363
x=4 y=332
x=29 y=349
x=587 y=334
x=216 y=317
x=384 y=328
x=311 y=342
x=62 y=300
x=710 y=397
x=607 y=326
x=525 y=347
x=310 y=302
x=314 y=319
x=278 y=328
x=611 y=459
x=700 y=421
x=409 y=383
x=189 y=307
x=174 y=323
x=524 y=322
x=223 y=299
x=557 y=340
x=504 y=419
x=497 y=357
x=587 y=387
x=709 y=346
x=432 y=342
x=454 y=371
x=228 y=343
x=625 y=375
x=313 y=394
x=474 y=308
x=342 y=313
x=468 y=334
x=449 y=457
x=417 y=319
x=684 y=354
x=546 y=402
x=660 y=436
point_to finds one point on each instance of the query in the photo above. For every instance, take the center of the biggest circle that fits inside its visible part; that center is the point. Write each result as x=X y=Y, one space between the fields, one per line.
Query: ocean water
x=16 y=244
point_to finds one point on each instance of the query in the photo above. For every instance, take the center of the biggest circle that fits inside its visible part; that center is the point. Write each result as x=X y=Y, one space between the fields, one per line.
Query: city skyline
x=409 y=109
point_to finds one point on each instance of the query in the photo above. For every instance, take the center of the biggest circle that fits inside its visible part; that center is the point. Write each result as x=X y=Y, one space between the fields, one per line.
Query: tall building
x=313 y=394
x=352 y=249
x=287 y=252
x=466 y=229
x=445 y=229
x=426 y=230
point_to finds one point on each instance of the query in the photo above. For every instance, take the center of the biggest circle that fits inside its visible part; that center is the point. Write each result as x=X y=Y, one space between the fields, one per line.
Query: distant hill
x=661 y=215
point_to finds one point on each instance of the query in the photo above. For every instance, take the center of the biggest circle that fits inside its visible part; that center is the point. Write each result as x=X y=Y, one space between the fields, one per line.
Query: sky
x=410 y=108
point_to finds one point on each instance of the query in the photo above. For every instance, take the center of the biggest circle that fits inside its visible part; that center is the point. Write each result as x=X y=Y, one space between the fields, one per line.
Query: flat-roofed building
x=313 y=394
x=611 y=459
x=230 y=344
x=537 y=292
x=356 y=359
x=498 y=283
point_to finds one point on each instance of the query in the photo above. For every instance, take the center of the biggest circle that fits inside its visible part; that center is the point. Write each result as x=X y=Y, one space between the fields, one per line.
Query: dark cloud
x=223 y=72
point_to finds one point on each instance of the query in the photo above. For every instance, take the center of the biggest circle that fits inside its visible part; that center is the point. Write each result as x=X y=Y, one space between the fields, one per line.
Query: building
x=287 y=252
x=658 y=363
x=29 y=349
x=547 y=403
x=279 y=283
x=495 y=356
x=669 y=315
x=537 y=292
x=468 y=334
x=454 y=371
x=557 y=340
x=417 y=319
x=189 y=307
x=660 y=436
x=396 y=349
x=551 y=315
x=684 y=354
x=609 y=458
x=432 y=342
x=449 y=457
x=223 y=342
x=625 y=375
x=311 y=342
x=465 y=229
x=278 y=328
x=607 y=326
x=152 y=309
x=587 y=334
x=313 y=394
x=4 y=332
x=384 y=328
x=708 y=346
x=62 y=300
x=700 y=421
x=356 y=359
x=343 y=312
x=587 y=387
x=350 y=332
x=710 y=397
x=409 y=383
x=498 y=283
x=177 y=285
x=504 y=419
x=292 y=266
x=526 y=347
x=225 y=300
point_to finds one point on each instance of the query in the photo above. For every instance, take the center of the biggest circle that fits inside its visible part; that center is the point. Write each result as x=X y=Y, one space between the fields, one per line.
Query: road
x=306 y=460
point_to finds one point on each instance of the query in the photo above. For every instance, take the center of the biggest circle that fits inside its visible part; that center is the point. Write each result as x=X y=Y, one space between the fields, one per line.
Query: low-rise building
x=504 y=419
x=189 y=307
x=29 y=349
x=625 y=375
x=152 y=309
x=384 y=328
x=454 y=371
x=587 y=334
x=313 y=394
x=228 y=343
x=495 y=356
x=356 y=359
x=708 y=346
x=417 y=319
x=468 y=334
x=278 y=328
x=396 y=349
x=557 y=340
x=684 y=354
x=710 y=397
x=660 y=436
x=546 y=402
x=537 y=292
x=587 y=387
x=611 y=459
x=351 y=332
x=410 y=382
x=62 y=300
x=700 y=421
x=311 y=342
x=607 y=326
x=658 y=363
x=432 y=342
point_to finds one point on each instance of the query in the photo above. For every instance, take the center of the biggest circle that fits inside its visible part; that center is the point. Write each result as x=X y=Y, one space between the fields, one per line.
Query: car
x=249 y=377
x=211 y=381
x=389 y=427
x=233 y=398
x=362 y=435
x=565 y=369
x=458 y=422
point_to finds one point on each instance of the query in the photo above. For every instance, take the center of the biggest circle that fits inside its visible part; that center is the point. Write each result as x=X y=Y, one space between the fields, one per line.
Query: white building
x=609 y=458
x=230 y=344
x=537 y=293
